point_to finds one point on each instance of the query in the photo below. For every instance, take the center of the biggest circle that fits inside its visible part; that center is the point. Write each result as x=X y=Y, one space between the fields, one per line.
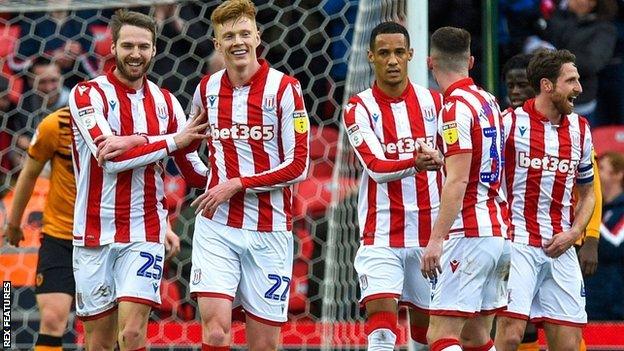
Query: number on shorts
x=277 y=282
x=152 y=261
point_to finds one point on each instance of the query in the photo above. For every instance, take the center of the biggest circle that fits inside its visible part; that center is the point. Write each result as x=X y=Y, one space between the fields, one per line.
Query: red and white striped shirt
x=124 y=200
x=542 y=163
x=259 y=132
x=471 y=123
x=396 y=205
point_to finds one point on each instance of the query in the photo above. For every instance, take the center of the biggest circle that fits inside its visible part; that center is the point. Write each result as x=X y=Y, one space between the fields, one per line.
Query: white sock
x=381 y=340
x=414 y=345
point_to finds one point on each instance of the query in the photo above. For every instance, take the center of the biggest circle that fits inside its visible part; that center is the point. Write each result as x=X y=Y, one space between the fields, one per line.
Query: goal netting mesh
x=321 y=42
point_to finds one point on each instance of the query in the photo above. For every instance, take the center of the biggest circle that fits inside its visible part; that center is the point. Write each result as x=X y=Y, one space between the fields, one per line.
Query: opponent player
x=399 y=197
x=548 y=151
x=120 y=219
x=243 y=245
x=472 y=213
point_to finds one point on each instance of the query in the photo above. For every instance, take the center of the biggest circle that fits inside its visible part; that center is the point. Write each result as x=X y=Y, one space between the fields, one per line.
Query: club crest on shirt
x=196 y=276
x=430 y=114
x=268 y=103
x=161 y=111
x=449 y=132
x=300 y=121
x=212 y=101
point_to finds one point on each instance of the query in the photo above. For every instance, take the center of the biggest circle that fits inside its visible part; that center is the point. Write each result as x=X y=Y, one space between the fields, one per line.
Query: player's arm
x=588 y=253
x=455 y=127
x=87 y=111
x=295 y=140
x=21 y=195
x=560 y=242
x=369 y=150
x=192 y=168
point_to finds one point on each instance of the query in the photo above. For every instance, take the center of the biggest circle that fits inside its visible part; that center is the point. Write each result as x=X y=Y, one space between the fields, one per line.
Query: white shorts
x=116 y=272
x=388 y=272
x=546 y=289
x=253 y=269
x=473 y=277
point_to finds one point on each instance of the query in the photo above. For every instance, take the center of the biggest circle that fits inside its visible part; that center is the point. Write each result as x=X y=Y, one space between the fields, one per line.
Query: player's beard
x=125 y=72
x=562 y=104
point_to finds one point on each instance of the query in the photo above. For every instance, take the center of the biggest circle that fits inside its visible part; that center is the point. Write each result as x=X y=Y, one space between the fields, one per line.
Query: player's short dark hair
x=388 y=28
x=547 y=64
x=520 y=61
x=616 y=159
x=131 y=18
x=452 y=46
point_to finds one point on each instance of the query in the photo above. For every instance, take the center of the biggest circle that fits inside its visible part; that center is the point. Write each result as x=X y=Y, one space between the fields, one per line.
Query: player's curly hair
x=547 y=64
x=132 y=18
x=233 y=9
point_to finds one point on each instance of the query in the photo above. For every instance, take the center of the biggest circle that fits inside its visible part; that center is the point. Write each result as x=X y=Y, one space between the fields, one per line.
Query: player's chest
x=136 y=115
x=398 y=127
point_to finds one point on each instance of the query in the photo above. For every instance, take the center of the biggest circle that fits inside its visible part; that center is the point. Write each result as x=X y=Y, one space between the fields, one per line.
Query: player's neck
x=393 y=90
x=239 y=76
x=446 y=79
x=545 y=106
x=136 y=84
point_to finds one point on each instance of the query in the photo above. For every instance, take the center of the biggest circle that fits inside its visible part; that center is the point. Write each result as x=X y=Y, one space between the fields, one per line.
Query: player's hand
x=172 y=244
x=13 y=234
x=428 y=159
x=194 y=130
x=208 y=202
x=560 y=243
x=111 y=146
x=430 y=263
x=588 y=255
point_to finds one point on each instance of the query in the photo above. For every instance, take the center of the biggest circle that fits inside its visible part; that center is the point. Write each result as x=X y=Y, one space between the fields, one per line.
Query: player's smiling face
x=390 y=57
x=237 y=40
x=566 y=89
x=133 y=52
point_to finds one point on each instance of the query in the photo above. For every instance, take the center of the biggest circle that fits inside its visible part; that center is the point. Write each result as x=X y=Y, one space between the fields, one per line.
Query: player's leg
x=95 y=296
x=137 y=272
x=55 y=289
x=266 y=271
x=132 y=317
x=563 y=337
x=417 y=296
x=381 y=273
x=526 y=275
x=563 y=303
x=475 y=334
x=215 y=276
x=529 y=340
x=467 y=263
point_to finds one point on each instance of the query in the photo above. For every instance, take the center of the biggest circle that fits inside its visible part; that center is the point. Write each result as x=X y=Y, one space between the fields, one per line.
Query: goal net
x=310 y=39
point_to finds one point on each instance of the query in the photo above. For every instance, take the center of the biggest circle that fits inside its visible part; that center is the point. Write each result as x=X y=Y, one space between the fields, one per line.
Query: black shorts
x=55 y=273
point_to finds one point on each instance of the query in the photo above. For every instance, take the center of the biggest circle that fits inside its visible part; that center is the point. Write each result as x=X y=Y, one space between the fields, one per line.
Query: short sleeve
x=455 y=127
x=45 y=141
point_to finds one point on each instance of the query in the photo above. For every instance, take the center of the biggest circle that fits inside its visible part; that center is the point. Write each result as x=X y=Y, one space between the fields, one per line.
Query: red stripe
x=370 y=225
x=469 y=211
x=150 y=198
x=232 y=170
x=123 y=187
x=261 y=160
x=533 y=181
x=286 y=194
x=559 y=186
x=492 y=187
x=395 y=189
x=510 y=168
x=423 y=197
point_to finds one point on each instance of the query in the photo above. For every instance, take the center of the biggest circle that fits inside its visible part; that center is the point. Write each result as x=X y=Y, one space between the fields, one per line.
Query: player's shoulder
x=54 y=122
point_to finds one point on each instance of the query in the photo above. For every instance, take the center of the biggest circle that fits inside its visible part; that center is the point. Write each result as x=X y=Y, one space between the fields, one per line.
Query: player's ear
x=371 y=57
x=410 y=54
x=546 y=85
x=429 y=63
x=470 y=62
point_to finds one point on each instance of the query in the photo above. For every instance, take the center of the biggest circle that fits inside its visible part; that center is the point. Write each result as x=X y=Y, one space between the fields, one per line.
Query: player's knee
x=217 y=336
x=509 y=336
x=52 y=322
x=130 y=336
x=100 y=344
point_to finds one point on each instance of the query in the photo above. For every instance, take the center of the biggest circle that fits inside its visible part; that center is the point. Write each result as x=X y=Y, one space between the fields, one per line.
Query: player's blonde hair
x=233 y=9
